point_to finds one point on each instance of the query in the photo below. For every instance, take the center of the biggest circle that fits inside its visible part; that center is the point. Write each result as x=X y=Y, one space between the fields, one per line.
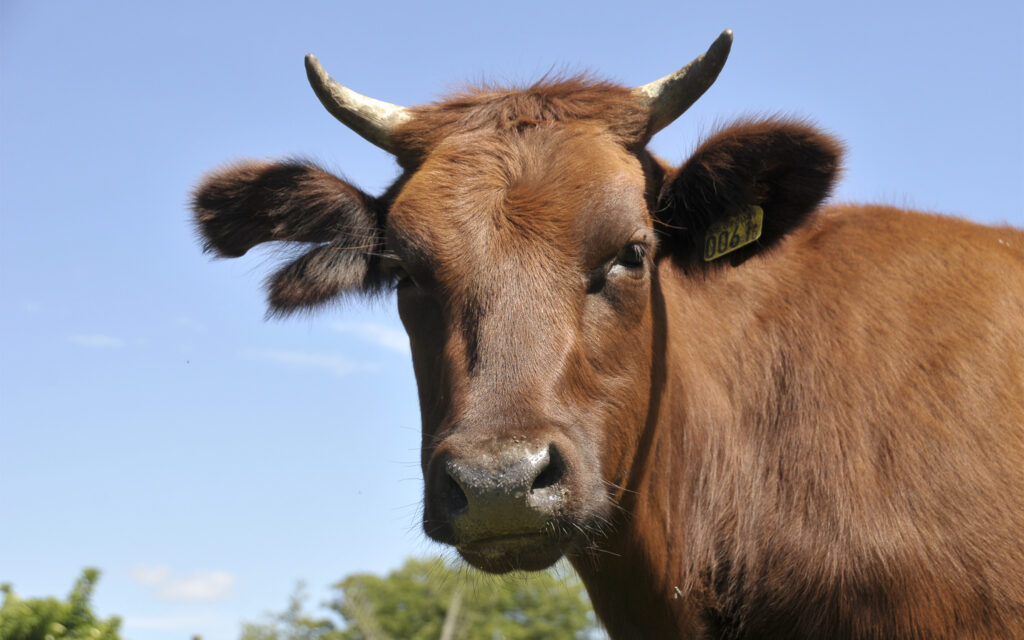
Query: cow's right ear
x=775 y=169
x=249 y=203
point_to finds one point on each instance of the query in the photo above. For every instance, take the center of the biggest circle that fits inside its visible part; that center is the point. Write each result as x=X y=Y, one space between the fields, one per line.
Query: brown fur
x=819 y=436
x=576 y=100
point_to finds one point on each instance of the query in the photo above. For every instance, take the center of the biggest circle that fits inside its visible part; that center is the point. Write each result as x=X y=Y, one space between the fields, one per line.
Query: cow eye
x=398 y=272
x=632 y=256
x=629 y=261
x=401 y=276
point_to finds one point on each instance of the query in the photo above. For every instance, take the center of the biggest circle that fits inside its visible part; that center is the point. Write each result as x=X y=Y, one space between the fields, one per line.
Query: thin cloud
x=380 y=335
x=211 y=585
x=336 y=364
x=150 y=576
x=203 y=586
x=97 y=341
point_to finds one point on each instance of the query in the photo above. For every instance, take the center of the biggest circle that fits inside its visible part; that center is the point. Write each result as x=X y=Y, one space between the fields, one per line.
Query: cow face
x=524 y=267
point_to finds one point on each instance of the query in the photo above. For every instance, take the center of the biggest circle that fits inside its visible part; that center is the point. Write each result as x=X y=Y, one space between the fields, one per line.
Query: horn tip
x=315 y=73
x=724 y=41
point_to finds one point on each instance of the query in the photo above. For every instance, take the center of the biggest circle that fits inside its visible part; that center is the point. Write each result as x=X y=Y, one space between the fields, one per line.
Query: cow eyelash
x=632 y=256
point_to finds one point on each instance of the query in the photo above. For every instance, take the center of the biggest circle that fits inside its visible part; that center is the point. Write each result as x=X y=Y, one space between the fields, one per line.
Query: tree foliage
x=433 y=600
x=53 y=619
x=294 y=623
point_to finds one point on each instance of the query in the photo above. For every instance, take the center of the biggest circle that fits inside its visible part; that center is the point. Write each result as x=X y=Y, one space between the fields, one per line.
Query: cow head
x=524 y=240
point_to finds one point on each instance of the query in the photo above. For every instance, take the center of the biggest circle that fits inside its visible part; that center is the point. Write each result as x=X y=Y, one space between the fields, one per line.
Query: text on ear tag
x=734 y=232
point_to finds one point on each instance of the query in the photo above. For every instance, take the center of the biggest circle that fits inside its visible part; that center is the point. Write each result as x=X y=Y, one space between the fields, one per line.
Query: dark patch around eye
x=596 y=280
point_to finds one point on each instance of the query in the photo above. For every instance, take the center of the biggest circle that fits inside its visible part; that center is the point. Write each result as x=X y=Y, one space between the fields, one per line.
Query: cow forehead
x=554 y=190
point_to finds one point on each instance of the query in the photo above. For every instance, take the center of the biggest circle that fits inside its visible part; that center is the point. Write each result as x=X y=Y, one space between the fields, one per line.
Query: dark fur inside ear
x=786 y=167
x=322 y=274
x=251 y=202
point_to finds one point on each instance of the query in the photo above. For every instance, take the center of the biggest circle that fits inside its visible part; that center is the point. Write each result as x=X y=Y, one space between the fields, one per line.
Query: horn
x=373 y=119
x=670 y=96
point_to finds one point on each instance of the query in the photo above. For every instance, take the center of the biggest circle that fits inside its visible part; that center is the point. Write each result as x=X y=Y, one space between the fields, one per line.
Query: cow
x=738 y=411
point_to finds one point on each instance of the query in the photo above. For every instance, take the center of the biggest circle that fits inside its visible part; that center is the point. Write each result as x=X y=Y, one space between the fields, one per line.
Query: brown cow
x=819 y=434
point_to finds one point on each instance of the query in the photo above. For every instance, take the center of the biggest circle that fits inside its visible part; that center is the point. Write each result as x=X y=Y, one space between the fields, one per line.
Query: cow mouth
x=516 y=552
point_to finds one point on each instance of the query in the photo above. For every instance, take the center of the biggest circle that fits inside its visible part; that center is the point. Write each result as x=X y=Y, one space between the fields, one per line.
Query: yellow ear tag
x=734 y=232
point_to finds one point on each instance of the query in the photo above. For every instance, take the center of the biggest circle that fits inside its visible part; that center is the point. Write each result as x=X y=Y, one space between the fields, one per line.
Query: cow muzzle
x=504 y=508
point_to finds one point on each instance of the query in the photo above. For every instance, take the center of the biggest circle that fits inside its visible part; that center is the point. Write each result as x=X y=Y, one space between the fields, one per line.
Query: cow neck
x=637 y=588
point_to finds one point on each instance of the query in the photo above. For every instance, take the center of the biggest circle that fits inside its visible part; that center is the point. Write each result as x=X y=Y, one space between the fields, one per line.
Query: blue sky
x=153 y=424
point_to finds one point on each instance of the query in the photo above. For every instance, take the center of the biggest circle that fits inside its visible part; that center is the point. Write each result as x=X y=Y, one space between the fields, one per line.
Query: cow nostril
x=552 y=474
x=455 y=496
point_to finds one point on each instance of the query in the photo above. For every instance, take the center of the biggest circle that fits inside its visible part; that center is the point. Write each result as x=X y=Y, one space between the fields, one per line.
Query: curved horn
x=370 y=118
x=670 y=96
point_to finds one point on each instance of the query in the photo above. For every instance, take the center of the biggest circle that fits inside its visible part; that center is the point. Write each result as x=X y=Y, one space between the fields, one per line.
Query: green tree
x=293 y=623
x=433 y=600
x=53 y=619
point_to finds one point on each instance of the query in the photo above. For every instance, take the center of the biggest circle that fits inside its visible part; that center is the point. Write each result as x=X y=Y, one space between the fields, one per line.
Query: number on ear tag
x=734 y=232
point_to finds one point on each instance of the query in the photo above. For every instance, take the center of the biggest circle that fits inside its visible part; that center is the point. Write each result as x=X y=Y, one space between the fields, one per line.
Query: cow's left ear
x=785 y=168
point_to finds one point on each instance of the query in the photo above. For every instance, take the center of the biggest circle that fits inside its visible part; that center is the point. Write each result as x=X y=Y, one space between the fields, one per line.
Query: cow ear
x=249 y=203
x=756 y=177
